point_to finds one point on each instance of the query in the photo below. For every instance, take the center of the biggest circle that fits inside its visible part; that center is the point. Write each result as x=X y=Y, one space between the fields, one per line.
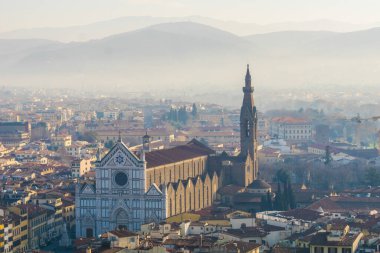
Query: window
x=333 y=250
x=318 y=250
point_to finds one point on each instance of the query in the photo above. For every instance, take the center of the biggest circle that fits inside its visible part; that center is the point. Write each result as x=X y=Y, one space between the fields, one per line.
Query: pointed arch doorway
x=121 y=219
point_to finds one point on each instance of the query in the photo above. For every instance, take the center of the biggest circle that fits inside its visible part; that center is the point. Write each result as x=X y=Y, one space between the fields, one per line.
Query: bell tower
x=248 y=123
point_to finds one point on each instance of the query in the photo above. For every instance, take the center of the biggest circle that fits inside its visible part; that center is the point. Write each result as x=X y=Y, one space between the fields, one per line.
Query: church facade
x=119 y=197
x=132 y=189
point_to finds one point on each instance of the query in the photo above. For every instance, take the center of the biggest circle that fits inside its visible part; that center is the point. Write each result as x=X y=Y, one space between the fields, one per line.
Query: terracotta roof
x=190 y=242
x=230 y=189
x=259 y=184
x=321 y=239
x=122 y=233
x=346 y=204
x=246 y=232
x=363 y=153
x=191 y=150
x=290 y=120
x=242 y=247
x=302 y=214
x=247 y=197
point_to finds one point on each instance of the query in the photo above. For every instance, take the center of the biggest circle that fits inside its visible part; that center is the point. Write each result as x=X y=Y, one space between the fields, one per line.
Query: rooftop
x=191 y=150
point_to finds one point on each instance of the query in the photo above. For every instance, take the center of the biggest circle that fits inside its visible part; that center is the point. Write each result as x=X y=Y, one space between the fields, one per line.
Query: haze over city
x=218 y=126
x=195 y=45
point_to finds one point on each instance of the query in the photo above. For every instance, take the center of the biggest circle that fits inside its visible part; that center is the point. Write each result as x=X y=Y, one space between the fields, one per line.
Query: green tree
x=194 y=111
x=182 y=115
x=285 y=197
x=269 y=201
x=263 y=204
x=372 y=177
x=291 y=199
x=278 y=202
x=87 y=136
x=327 y=158
x=109 y=144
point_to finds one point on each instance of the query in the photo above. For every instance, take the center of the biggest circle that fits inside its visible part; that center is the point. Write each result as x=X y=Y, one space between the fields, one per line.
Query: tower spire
x=248 y=78
x=248 y=124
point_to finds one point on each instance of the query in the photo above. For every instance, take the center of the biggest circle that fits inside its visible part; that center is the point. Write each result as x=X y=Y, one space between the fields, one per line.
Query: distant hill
x=195 y=56
x=130 y=23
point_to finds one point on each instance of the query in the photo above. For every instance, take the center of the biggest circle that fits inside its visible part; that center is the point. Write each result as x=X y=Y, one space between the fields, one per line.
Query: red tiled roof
x=122 y=233
x=290 y=120
x=321 y=239
x=191 y=150
x=346 y=204
x=230 y=189
x=303 y=214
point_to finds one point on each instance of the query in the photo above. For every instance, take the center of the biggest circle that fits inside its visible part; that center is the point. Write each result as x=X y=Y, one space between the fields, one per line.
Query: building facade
x=133 y=188
x=248 y=125
x=119 y=197
x=291 y=129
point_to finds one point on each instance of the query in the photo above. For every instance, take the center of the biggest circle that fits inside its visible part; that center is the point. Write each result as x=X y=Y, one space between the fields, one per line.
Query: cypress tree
x=194 y=111
x=278 y=201
x=285 y=196
x=292 y=201
x=263 y=204
x=269 y=201
x=328 y=158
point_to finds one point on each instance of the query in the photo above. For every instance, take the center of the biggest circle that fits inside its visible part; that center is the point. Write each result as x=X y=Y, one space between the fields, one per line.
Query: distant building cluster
x=95 y=174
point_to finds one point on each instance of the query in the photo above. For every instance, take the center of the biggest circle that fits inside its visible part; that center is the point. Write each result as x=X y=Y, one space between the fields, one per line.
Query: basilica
x=132 y=189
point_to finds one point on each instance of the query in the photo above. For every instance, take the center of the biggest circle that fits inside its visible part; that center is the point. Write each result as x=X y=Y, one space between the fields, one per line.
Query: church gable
x=120 y=155
x=88 y=189
x=153 y=191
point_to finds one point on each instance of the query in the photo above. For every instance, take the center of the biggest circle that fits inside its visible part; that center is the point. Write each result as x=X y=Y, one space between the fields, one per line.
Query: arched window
x=170 y=207
x=207 y=196
x=180 y=203
x=199 y=199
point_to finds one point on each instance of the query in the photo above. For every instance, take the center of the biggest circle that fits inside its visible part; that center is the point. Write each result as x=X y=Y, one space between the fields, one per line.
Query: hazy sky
x=16 y=14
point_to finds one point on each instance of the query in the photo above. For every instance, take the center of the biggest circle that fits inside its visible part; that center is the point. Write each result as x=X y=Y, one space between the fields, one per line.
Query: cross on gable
x=120 y=155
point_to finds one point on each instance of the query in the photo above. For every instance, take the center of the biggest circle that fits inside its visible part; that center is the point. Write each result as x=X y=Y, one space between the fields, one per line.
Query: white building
x=291 y=129
x=118 y=198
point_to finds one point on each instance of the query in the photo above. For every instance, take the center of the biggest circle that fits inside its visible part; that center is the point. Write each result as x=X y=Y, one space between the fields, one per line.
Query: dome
x=259 y=184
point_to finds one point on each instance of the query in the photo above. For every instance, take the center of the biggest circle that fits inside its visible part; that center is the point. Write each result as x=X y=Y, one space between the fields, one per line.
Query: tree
x=87 y=136
x=182 y=115
x=285 y=197
x=291 y=199
x=328 y=158
x=263 y=204
x=269 y=201
x=109 y=144
x=194 y=111
x=372 y=177
x=204 y=141
x=278 y=199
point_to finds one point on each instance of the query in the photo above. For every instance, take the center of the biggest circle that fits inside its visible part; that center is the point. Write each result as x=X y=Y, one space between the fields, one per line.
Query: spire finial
x=119 y=140
x=248 y=77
